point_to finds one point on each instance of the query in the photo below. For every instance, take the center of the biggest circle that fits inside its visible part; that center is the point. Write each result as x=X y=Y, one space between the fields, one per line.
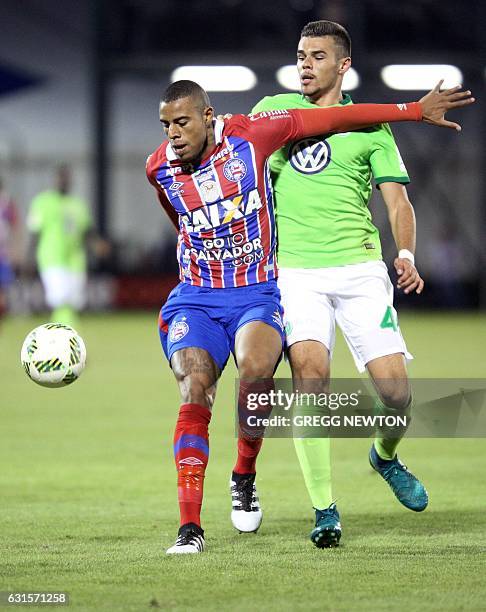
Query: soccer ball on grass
x=53 y=355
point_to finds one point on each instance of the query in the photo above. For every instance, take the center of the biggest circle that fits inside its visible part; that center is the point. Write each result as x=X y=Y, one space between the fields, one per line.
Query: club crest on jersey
x=220 y=213
x=235 y=170
x=178 y=330
x=310 y=155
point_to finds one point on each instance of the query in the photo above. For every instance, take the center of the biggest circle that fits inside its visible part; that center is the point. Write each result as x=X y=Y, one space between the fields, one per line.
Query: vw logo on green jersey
x=309 y=155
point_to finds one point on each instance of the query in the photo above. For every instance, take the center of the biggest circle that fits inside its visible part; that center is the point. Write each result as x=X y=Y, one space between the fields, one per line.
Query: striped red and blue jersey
x=223 y=207
x=226 y=220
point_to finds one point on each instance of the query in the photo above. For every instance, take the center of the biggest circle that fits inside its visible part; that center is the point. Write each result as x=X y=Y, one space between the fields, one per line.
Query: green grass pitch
x=88 y=501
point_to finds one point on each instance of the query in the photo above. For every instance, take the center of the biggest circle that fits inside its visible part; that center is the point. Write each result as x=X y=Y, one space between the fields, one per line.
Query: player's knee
x=396 y=397
x=311 y=372
x=315 y=374
x=251 y=369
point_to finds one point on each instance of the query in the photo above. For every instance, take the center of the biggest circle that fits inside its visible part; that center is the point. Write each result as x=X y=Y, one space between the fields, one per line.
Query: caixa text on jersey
x=220 y=213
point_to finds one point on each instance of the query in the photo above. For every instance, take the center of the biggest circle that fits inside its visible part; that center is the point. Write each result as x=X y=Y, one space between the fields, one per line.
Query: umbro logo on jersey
x=175 y=186
x=310 y=155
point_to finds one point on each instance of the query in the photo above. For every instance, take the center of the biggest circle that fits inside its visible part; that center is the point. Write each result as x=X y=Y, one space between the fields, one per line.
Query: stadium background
x=87 y=477
x=90 y=98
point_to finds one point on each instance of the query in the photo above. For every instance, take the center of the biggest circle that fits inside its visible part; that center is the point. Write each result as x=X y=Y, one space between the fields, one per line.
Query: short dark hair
x=342 y=40
x=186 y=89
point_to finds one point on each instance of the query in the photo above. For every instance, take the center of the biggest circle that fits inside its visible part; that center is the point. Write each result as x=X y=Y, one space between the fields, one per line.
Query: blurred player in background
x=212 y=179
x=61 y=224
x=8 y=231
x=331 y=268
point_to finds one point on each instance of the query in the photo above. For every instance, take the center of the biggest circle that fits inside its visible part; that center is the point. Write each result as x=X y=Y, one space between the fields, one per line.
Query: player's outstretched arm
x=436 y=104
x=294 y=124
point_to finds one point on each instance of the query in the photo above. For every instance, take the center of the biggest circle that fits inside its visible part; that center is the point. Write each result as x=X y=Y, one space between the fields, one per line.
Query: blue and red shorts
x=210 y=318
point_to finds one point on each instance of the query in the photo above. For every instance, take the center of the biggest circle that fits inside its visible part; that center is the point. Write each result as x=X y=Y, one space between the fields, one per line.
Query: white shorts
x=359 y=298
x=64 y=288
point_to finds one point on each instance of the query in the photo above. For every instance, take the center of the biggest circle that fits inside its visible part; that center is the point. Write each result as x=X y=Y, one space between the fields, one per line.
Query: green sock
x=385 y=444
x=65 y=315
x=314 y=456
x=386 y=448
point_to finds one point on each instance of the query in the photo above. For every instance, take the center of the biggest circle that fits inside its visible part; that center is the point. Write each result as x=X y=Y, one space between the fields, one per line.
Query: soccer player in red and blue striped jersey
x=212 y=178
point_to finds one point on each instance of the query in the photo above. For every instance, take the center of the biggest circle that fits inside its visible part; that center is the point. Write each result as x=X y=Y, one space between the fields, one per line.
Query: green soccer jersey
x=60 y=222
x=322 y=187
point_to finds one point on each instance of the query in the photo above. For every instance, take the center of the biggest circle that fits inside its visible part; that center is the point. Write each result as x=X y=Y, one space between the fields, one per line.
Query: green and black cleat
x=327 y=532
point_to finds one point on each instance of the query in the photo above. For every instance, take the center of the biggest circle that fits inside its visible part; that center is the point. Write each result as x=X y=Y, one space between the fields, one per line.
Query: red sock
x=191 y=453
x=250 y=440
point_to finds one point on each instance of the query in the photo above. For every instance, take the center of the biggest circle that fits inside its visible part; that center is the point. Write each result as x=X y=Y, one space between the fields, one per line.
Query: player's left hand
x=408 y=277
x=436 y=103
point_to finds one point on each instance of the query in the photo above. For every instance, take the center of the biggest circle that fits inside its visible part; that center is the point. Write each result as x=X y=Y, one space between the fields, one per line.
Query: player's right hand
x=436 y=103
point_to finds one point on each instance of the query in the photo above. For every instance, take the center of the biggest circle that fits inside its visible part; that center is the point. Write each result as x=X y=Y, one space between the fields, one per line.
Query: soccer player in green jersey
x=331 y=268
x=60 y=223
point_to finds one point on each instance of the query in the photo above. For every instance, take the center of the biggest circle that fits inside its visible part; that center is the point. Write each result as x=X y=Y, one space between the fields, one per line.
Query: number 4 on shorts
x=389 y=319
